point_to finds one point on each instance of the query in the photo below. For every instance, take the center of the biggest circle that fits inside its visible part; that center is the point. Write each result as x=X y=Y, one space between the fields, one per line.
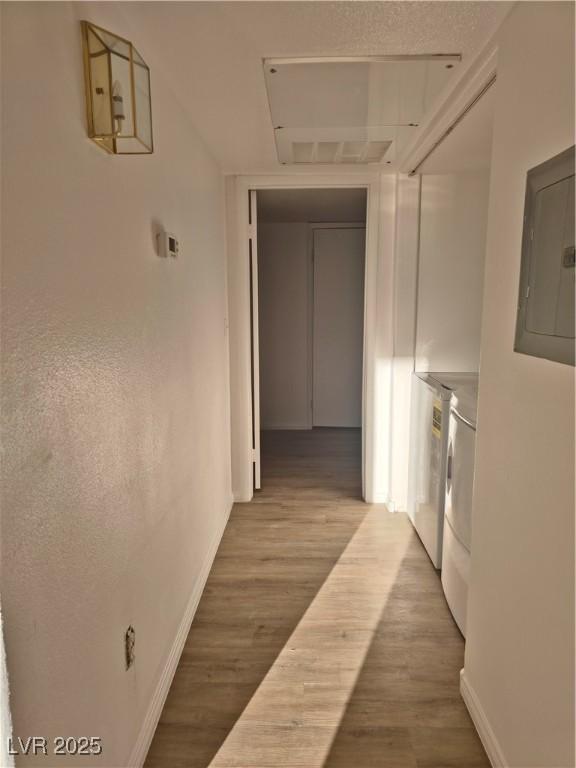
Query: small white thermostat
x=167 y=245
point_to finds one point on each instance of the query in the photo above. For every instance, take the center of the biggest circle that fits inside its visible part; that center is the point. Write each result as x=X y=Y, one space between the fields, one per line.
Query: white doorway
x=311 y=261
x=379 y=248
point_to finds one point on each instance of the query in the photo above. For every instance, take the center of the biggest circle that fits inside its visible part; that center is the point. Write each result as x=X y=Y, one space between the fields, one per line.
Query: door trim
x=254 y=337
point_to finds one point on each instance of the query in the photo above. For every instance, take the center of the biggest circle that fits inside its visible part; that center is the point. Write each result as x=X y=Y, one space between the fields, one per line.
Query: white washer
x=457 y=543
x=430 y=408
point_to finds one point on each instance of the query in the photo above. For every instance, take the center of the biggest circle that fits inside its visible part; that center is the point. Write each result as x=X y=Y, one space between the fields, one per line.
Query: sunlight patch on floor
x=329 y=644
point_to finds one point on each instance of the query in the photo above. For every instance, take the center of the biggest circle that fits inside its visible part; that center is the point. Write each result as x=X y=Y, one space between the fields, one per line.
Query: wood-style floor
x=323 y=637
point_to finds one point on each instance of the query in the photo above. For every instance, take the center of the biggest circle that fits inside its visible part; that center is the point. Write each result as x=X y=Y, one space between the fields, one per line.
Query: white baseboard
x=140 y=750
x=383 y=498
x=487 y=735
x=378 y=498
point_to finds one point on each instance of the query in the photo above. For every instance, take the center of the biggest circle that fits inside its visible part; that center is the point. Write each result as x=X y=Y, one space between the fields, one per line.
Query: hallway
x=322 y=637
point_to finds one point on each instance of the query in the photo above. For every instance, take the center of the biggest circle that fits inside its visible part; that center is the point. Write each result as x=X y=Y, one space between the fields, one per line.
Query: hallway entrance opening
x=308 y=298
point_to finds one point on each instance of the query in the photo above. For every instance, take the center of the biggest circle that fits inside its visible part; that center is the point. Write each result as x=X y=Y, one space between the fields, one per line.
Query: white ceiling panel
x=359 y=103
x=210 y=55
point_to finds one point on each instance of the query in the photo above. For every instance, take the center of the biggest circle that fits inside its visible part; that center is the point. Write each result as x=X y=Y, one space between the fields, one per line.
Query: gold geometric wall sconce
x=118 y=100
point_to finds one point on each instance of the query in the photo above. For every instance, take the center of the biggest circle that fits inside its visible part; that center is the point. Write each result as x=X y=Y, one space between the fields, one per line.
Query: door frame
x=254 y=336
x=238 y=283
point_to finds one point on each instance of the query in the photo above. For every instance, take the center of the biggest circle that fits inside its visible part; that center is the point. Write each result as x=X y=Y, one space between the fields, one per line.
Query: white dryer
x=457 y=543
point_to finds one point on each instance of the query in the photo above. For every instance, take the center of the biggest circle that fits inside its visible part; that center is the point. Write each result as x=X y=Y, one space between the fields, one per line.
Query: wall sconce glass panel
x=117 y=93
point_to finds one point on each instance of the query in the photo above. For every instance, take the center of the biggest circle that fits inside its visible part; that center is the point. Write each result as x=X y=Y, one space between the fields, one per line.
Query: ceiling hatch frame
x=367 y=139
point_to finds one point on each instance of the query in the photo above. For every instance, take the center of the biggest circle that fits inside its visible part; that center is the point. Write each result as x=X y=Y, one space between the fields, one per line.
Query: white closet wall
x=519 y=664
x=451 y=271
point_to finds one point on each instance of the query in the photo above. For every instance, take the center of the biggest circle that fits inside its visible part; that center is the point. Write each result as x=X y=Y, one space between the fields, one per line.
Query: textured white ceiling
x=211 y=54
x=314 y=205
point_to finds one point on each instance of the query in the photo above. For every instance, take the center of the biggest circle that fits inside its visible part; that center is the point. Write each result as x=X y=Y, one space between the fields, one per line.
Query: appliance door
x=429 y=416
x=460 y=478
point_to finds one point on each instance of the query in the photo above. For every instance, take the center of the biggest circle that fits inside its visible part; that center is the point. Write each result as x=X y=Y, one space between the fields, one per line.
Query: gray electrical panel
x=545 y=321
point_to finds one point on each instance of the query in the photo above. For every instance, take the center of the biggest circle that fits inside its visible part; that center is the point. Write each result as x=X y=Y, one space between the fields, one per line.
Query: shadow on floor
x=405 y=709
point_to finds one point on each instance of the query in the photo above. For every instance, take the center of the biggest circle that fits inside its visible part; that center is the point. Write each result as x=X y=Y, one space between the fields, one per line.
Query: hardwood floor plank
x=322 y=637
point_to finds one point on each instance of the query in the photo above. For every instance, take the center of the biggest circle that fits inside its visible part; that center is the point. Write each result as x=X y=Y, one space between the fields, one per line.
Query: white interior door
x=255 y=347
x=338 y=327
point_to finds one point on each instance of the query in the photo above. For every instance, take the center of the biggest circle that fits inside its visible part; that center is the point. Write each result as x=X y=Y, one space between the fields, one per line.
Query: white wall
x=520 y=637
x=238 y=274
x=379 y=293
x=115 y=401
x=405 y=278
x=6 y=759
x=451 y=269
x=284 y=320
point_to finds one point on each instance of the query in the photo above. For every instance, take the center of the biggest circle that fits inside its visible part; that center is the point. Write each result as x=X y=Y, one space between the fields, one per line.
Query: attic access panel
x=351 y=110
